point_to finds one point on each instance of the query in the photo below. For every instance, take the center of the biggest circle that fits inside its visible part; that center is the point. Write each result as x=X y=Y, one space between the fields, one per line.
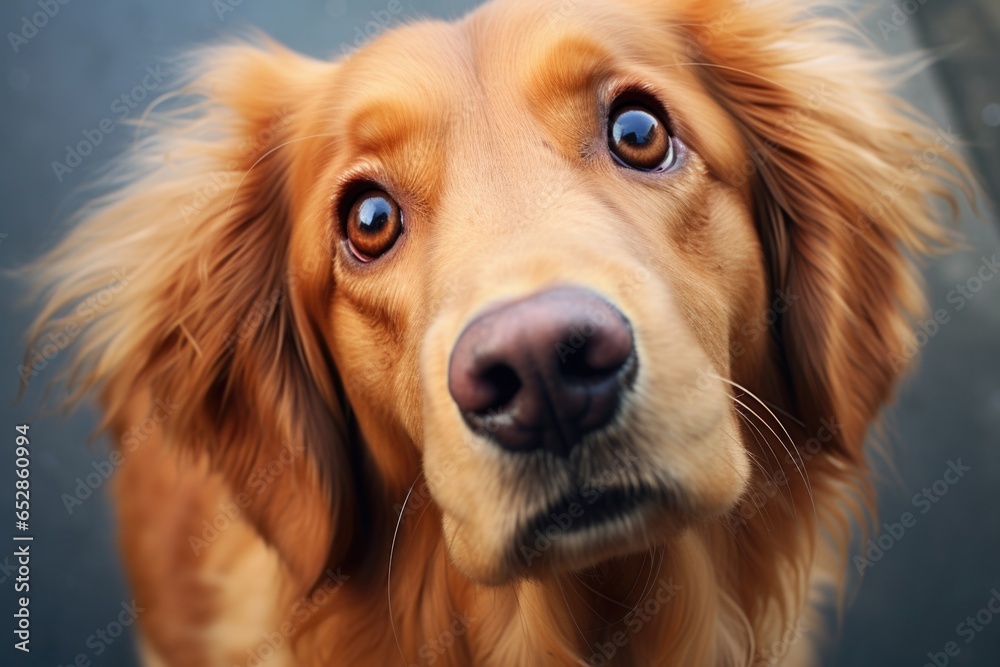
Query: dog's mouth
x=581 y=525
x=593 y=508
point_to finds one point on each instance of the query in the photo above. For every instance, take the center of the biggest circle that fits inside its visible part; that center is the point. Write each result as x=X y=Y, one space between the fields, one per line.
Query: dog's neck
x=692 y=603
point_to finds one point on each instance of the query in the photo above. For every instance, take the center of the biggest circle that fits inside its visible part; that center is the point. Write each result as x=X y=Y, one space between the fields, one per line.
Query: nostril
x=503 y=385
x=604 y=352
x=578 y=365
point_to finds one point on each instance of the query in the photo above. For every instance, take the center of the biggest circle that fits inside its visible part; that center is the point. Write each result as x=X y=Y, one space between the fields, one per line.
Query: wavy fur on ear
x=844 y=176
x=207 y=311
x=848 y=181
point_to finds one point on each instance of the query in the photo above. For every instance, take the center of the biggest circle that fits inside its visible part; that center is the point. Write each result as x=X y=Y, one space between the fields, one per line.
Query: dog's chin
x=570 y=541
x=551 y=548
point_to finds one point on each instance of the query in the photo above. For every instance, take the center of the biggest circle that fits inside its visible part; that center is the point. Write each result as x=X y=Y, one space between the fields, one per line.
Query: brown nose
x=543 y=371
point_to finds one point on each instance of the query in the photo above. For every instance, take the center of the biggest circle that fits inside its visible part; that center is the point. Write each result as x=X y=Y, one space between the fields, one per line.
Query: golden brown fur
x=316 y=388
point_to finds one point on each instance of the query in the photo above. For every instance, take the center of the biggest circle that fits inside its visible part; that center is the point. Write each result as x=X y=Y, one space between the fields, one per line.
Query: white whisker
x=796 y=461
x=760 y=466
x=388 y=581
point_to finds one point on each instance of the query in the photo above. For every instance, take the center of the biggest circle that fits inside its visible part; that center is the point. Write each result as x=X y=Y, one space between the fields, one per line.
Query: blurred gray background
x=63 y=79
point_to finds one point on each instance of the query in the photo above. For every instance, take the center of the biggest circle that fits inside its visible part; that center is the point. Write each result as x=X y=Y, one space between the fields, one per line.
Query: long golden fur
x=310 y=495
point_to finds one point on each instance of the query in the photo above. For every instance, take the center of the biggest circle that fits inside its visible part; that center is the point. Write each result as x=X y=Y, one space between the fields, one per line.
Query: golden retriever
x=550 y=336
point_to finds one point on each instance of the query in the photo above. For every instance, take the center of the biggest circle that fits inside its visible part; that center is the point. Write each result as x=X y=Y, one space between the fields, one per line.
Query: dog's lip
x=578 y=512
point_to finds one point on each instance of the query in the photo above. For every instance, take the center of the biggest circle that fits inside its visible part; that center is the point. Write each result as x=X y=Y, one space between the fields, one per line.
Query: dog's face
x=529 y=257
x=539 y=274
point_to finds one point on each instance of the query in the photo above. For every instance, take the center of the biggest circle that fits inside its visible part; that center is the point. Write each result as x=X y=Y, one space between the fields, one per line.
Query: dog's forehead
x=512 y=83
x=441 y=75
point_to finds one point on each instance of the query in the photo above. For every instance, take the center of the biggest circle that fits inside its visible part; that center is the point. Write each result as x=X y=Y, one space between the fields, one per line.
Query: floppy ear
x=205 y=310
x=843 y=175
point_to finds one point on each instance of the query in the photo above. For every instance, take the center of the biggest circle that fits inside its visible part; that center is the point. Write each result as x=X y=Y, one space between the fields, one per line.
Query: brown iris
x=373 y=224
x=639 y=139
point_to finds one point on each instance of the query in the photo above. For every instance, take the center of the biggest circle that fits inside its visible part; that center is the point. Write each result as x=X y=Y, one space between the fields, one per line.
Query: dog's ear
x=844 y=177
x=209 y=308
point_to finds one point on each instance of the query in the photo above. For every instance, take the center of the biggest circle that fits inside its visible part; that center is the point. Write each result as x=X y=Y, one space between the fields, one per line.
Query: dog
x=550 y=336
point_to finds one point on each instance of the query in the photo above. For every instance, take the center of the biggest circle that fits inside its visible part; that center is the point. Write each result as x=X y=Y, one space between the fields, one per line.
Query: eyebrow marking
x=571 y=67
x=383 y=125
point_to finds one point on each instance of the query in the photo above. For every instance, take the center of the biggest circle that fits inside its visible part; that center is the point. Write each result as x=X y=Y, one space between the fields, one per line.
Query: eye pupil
x=638 y=139
x=635 y=127
x=373 y=224
x=373 y=214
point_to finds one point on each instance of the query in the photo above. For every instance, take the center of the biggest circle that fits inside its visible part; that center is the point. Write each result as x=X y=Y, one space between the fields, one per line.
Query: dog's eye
x=373 y=225
x=639 y=139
